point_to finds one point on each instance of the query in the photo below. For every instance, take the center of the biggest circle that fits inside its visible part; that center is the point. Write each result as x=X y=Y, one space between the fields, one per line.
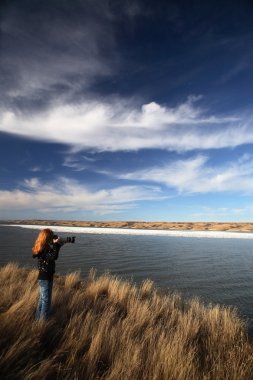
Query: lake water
x=217 y=267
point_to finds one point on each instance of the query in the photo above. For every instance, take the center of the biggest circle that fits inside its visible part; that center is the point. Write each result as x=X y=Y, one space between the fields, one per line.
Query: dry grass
x=104 y=328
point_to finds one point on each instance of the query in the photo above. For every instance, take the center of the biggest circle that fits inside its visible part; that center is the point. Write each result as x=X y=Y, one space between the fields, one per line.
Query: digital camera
x=69 y=239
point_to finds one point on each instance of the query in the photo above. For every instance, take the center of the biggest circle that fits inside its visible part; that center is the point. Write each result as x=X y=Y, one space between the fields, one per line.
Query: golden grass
x=105 y=328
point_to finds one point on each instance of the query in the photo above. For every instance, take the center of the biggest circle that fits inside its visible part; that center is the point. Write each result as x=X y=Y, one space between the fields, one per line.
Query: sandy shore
x=188 y=226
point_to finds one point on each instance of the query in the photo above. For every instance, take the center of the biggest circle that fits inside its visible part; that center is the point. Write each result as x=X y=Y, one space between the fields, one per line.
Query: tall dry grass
x=105 y=328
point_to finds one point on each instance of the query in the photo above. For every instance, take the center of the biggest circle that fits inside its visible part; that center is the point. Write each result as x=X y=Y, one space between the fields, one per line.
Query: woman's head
x=44 y=238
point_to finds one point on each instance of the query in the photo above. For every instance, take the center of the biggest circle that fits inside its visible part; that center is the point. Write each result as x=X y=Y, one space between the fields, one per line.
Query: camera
x=69 y=239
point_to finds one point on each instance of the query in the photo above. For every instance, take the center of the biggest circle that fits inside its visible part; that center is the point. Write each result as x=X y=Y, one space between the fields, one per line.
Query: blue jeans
x=44 y=303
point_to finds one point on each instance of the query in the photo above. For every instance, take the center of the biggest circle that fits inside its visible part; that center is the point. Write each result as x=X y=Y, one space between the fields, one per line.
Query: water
x=214 y=268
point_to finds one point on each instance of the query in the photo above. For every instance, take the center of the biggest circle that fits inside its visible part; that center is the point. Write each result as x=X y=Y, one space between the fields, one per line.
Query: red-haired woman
x=46 y=249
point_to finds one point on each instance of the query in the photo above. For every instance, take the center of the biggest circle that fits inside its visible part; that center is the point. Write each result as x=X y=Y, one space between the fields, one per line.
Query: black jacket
x=46 y=261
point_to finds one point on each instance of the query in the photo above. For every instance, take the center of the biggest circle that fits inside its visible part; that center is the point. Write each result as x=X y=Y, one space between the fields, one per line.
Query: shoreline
x=139 y=225
x=135 y=231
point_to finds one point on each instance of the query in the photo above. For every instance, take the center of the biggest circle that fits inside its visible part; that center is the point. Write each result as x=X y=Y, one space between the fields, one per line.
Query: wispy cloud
x=78 y=162
x=119 y=125
x=195 y=175
x=65 y=195
x=75 y=163
x=41 y=169
x=45 y=58
x=209 y=213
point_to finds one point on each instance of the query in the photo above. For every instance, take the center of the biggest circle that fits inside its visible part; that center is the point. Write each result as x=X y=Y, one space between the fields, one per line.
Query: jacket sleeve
x=54 y=252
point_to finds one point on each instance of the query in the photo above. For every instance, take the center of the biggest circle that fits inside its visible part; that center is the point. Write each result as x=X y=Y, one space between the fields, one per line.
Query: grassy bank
x=104 y=328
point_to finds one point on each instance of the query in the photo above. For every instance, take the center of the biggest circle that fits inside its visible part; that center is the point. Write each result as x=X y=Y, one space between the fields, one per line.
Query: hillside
x=106 y=328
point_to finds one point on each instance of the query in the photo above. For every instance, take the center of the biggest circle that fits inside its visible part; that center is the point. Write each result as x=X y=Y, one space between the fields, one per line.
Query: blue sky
x=126 y=110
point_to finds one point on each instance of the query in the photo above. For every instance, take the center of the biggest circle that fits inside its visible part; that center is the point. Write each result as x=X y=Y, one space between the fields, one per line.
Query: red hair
x=43 y=240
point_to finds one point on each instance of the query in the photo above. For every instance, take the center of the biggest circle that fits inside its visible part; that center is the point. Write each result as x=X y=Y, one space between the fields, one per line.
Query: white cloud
x=65 y=195
x=195 y=176
x=118 y=126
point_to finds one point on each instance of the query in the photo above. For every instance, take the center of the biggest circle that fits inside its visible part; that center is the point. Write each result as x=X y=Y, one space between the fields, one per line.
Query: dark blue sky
x=136 y=110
